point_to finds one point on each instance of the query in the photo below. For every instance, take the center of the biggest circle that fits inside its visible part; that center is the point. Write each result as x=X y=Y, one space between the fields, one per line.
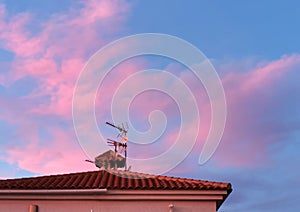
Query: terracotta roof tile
x=113 y=180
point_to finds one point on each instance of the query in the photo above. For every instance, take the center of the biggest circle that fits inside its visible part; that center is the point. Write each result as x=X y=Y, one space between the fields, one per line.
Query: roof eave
x=129 y=195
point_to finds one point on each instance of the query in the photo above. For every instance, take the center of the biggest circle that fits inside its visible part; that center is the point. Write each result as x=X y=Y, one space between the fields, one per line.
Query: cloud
x=262 y=111
x=59 y=153
x=37 y=91
x=262 y=118
x=52 y=57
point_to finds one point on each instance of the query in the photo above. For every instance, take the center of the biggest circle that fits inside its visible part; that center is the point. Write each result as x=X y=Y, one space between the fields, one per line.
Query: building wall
x=107 y=206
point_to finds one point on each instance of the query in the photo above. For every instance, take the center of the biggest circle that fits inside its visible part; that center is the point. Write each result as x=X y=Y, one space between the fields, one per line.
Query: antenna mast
x=119 y=146
x=112 y=159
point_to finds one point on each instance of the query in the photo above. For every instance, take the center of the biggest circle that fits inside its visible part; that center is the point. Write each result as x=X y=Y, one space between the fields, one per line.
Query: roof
x=111 y=180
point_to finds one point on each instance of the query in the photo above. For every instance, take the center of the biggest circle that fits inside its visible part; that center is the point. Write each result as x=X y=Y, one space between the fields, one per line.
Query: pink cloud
x=262 y=114
x=257 y=103
x=62 y=154
x=263 y=74
x=54 y=57
x=95 y=10
x=147 y=102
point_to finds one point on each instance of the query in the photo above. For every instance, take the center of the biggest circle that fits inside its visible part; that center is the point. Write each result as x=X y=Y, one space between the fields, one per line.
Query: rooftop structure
x=112 y=190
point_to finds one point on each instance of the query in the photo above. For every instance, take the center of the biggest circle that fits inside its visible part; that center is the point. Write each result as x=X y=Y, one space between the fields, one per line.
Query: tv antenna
x=123 y=129
x=113 y=159
x=120 y=147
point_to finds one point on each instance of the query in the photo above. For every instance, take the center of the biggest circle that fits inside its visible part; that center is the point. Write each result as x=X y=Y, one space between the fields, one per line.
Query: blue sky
x=224 y=29
x=253 y=46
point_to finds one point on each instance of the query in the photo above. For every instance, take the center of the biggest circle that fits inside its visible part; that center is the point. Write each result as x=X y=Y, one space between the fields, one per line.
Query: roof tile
x=112 y=180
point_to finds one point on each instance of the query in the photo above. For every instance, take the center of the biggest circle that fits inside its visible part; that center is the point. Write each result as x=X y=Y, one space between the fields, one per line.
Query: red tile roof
x=111 y=180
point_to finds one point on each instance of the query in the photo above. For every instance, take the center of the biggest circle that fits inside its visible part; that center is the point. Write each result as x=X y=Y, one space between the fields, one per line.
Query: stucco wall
x=98 y=205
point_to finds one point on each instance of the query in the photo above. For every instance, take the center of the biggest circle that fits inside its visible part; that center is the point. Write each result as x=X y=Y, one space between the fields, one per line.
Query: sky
x=253 y=46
